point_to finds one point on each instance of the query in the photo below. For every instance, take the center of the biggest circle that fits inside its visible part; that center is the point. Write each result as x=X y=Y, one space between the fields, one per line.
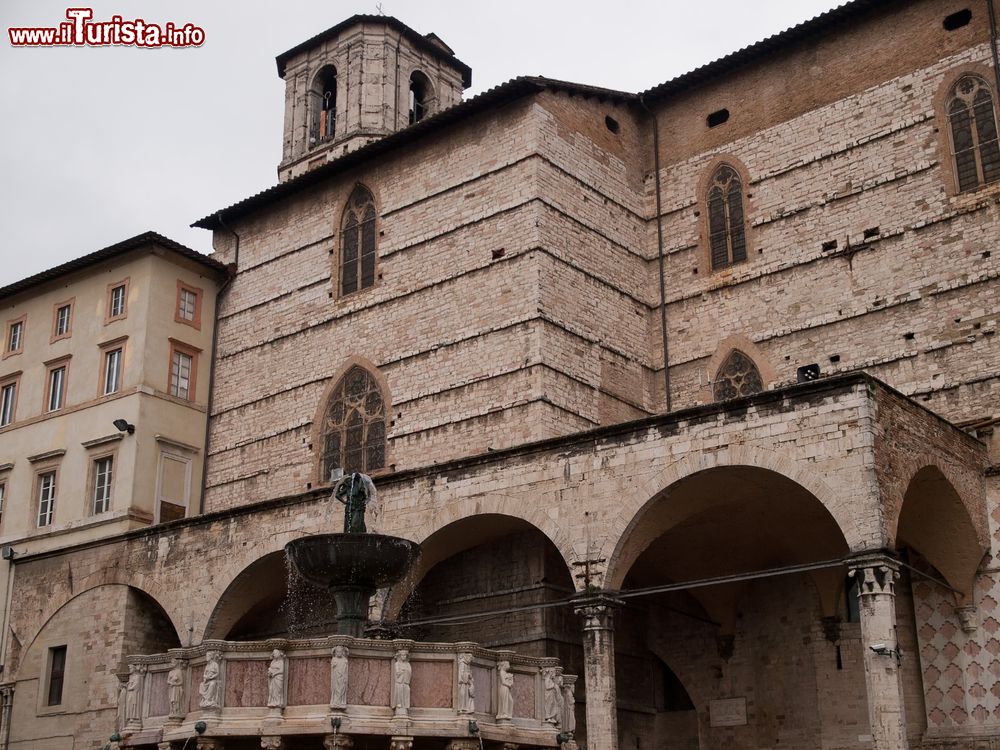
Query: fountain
x=354 y=564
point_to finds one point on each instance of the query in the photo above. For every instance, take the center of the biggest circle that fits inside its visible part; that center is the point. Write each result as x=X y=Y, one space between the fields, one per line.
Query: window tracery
x=726 y=228
x=973 y=128
x=354 y=436
x=737 y=376
x=357 y=245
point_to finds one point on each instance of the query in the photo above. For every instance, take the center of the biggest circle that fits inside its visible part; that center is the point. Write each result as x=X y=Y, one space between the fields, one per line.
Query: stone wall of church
x=859 y=256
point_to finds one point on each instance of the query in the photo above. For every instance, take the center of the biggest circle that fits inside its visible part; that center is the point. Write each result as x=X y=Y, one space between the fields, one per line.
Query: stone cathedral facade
x=693 y=390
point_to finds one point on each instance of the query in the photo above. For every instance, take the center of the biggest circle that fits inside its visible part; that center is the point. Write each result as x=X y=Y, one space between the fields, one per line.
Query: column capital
x=272 y=742
x=400 y=742
x=463 y=743
x=209 y=743
x=597 y=609
x=876 y=573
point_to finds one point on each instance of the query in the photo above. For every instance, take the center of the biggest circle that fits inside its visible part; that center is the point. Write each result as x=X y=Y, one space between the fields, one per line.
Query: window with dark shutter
x=726 y=227
x=357 y=243
x=57 y=674
x=973 y=127
x=354 y=425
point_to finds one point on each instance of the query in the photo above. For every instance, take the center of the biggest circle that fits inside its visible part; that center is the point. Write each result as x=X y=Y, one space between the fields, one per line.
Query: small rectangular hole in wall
x=987 y=254
x=829 y=245
x=909 y=335
x=871 y=233
x=835 y=358
x=957 y=20
x=840 y=660
x=499 y=253
x=717 y=118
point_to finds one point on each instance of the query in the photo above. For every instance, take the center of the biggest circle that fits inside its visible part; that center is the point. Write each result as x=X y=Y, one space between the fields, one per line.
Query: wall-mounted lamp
x=883 y=650
x=122 y=425
x=200 y=727
x=7 y=552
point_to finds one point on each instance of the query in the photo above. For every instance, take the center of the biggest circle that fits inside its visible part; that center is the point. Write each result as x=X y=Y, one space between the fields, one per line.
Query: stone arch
x=254 y=583
x=933 y=517
x=464 y=524
x=637 y=505
x=317 y=429
x=421 y=97
x=119 y=597
x=322 y=104
x=726 y=347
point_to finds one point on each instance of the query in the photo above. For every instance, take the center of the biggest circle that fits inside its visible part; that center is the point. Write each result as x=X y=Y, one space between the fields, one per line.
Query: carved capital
x=337 y=742
x=400 y=743
x=209 y=743
x=967 y=617
x=597 y=610
x=463 y=743
x=272 y=742
x=164 y=746
x=876 y=575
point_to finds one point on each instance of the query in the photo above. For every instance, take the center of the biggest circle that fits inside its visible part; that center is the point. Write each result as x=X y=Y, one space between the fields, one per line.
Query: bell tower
x=358 y=81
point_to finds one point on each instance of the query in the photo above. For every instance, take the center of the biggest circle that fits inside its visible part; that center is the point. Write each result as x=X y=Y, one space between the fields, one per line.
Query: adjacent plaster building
x=693 y=390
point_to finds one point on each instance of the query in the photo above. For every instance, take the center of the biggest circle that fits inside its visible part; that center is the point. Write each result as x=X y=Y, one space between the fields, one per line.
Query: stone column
x=597 y=611
x=877 y=575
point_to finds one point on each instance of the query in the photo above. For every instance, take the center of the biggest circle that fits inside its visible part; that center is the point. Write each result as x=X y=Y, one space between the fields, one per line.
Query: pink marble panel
x=159 y=703
x=309 y=681
x=368 y=682
x=482 y=678
x=246 y=683
x=197 y=672
x=430 y=684
x=524 y=695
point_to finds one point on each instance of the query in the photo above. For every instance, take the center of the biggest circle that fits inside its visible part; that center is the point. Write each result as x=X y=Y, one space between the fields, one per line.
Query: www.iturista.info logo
x=80 y=31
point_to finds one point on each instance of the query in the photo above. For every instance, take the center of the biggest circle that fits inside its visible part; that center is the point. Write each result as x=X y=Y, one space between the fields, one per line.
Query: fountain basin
x=362 y=561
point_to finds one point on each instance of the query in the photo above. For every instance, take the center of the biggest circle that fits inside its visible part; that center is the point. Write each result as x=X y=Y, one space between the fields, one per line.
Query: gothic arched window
x=354 y=425
x=323 y=106
x=973 y=126
x=357 y=242
x=726 y=231
x=738 y=376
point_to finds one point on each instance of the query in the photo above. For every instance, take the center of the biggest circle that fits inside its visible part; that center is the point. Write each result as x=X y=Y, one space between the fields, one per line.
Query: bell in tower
x=358 y=81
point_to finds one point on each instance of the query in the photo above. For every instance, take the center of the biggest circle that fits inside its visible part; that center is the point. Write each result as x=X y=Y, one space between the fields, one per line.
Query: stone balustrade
x=392 y=688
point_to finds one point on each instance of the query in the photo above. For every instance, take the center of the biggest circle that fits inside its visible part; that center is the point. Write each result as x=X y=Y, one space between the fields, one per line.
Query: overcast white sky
x=101 y=144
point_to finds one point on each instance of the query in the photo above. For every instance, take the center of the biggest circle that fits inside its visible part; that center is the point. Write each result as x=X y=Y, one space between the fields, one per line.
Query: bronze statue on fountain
x=352 y=565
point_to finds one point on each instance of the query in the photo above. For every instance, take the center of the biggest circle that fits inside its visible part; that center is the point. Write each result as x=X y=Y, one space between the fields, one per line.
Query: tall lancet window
x=737 y=376
x=323 y=106
x=357 y=242
x=726 y=228
x=973 y=127
x=354 y=425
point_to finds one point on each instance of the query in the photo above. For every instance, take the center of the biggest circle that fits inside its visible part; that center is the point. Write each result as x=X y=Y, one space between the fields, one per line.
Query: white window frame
x=8 y=400
x=112 y=376
x=103 y=484
x=187 y=304
x=47 y=487
x=15 y=336
x=116 y=306
x=62 y=323
x=56 y=394
x=176 y=368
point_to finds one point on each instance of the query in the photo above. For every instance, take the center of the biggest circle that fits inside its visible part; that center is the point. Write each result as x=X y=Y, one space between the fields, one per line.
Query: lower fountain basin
x=368 y=561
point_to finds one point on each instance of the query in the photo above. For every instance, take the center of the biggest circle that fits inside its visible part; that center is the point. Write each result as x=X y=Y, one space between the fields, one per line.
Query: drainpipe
x=6 y=691
x=233 y=267
x=660 y=255
x=993 y=42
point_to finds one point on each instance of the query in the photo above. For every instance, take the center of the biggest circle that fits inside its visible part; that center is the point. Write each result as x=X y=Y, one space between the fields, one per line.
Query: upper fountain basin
x=365 y=560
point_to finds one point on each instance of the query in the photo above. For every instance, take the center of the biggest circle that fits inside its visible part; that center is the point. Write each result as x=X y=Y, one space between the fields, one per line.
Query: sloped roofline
x=430 y=43
x=99 y=256
x=838 y=17
x=497 y=96
x=849 y=12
